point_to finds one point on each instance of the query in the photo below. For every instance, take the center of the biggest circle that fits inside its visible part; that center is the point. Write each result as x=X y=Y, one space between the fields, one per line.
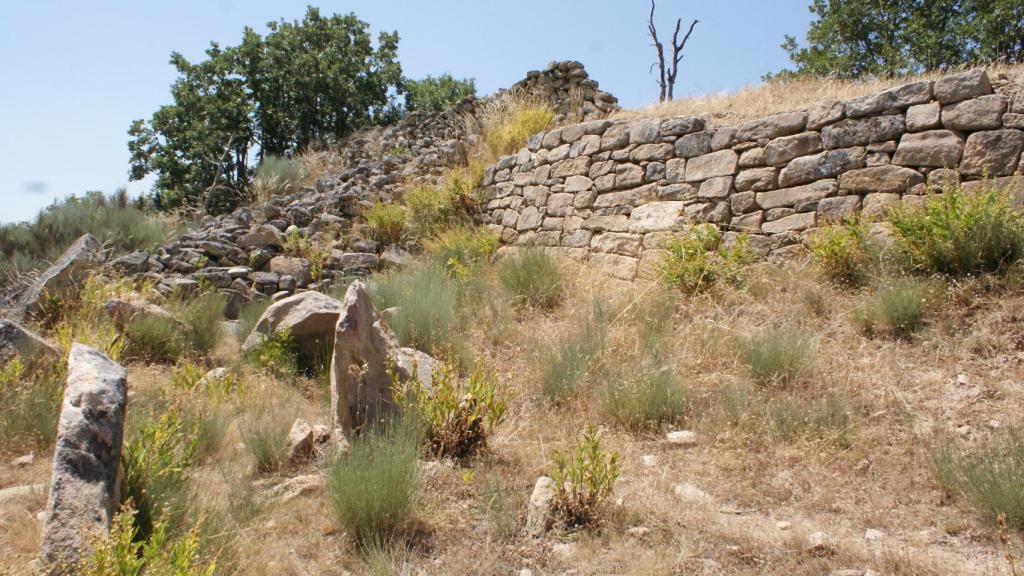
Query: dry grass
x=897 y=394
x=753 y=102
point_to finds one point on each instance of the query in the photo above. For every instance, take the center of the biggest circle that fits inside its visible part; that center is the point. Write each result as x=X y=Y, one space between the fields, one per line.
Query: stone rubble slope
x=612 y=192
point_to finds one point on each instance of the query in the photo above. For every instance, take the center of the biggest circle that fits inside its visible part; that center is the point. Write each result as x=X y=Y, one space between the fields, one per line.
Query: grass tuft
x=898 y=309
x=564 y=367
x=532 y=278
x=988 y=477
x=647 y=398
x=778 y=358
x=387 y=222
x=844 y=252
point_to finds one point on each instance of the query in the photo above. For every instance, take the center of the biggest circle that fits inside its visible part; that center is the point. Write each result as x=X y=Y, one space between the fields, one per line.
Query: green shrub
x=584 y=478
x=457 y=417
x=700 y=259
x=372 y=491
x=990 y=477
x=433 y=209
x=202 y=315
x=644 y=399
x=778 y=358
x=960 y=232
x=460 y=249
x=428 y=301
x=898 y=309
x=532 y=278
x=275 y=176
x=844 y=252
x=154 y=468
x=30 y=403
x=27 y=246
x=387 y=222
x=126 y=551
x=275 y=355
x=564 y=367
x=786 y=415
x=155 y=339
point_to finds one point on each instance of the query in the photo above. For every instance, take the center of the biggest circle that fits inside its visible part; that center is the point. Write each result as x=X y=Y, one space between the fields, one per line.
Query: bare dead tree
x=667 y=76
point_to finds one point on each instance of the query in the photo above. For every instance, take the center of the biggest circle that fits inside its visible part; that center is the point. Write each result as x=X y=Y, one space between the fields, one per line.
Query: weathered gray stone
x=790 y=197
x=877 y=205
x=529 y=219
x=539 y=513
x=16 y=340
x=654 y=171
x=134 y=263
x=648 y=152
x=861 y=131
x=962 y=86
x=571 y=167
x=890 y=179
x=628 y=176
x=781 y=150
x=308 y=317
x=655 y=217
x=643 y=131
x=923 y=117
x=366 y=355
x=994 y=153
x=621 y=267
x=934 y=149
x=578 y=183
x=721 y=163
x=752 y=158
x=617 y=243
x=122 y=312
x=722 y=138
x=560 y=204
x=773 y=126
x=749 y=223
x=609 y=223
x=615 y=137
x=982 y=113
x=675 y=170
x=62 y=278
x=824 y=113
x=632 y=197
x=298 y=268
x=792 y=223
x=681 y=125
x=262 y=236
x=717 y=187
x=693 y=145
x=898 y=97
x=756 y=179
x=742 y=202
x=827 y=164
x=1011 y=120
x=837 y=208
x=83 y=485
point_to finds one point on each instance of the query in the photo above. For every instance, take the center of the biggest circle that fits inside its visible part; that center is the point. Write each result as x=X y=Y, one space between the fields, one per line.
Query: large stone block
x=648 y=152
x=617 y=243
x=890 y=179
x=791 y=223
x=994 y=153
x=62 y=278
x=622 y=267
x=681 y=125
x=717 y=187
x=923 y=117
x=962 y=86
x=932 y=149
x=756 y=179
x=781 y=150
x=308 y=318
x=721 y=163
x=609 y=223
x=982 y=113
x=83 y=486
x=828 y=164
x=823 y=113
x=633 y=197
x=790 y=197
x=862 y=131
x=655 y=217
x=837 y=208
x=772 y=126
x=16 y=340
x=898 y=97
x=693 y=145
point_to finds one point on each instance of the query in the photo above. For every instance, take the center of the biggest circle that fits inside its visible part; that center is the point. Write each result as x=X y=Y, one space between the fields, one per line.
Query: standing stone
x=993 y=152
x=83 y=487
x=539 y=517
x=66 y=274
x=365 y=351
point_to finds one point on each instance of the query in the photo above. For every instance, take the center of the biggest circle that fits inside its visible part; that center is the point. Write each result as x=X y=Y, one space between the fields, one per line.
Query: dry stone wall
x=612 y=192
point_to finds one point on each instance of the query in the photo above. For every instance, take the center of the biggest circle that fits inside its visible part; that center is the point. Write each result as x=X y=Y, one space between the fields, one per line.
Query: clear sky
x=76 y=73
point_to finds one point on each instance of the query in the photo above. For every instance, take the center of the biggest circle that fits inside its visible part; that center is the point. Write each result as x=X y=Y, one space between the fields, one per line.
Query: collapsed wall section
x=612 y=192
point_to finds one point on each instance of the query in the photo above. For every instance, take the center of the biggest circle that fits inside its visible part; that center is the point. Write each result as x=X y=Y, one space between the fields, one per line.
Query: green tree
x=436 y=94
x=303 y=83
x=855 y=38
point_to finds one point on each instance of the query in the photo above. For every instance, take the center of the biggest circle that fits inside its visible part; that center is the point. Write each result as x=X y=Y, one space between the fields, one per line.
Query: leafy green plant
x=898 y=309
x=564 y=367
x=30 y=402
x=154 y=466
x=387 y=222
x=275 y=355
x=584 y=478
x=961 y=232
x=844 y=252
x=427 y=300
x=700 y=259
x=372 y=491
x=989 y=477
x=125 y=551
x=532 y=277
x=457 y=417
x=462 y=248
x=778 y=358
x=644 y=398
x=435 y=208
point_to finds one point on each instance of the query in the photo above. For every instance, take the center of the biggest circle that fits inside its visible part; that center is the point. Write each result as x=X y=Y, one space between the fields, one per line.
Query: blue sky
x=76 y=73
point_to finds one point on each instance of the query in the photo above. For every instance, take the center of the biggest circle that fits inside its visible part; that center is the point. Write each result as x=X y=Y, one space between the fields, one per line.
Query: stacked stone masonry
x=612 y=192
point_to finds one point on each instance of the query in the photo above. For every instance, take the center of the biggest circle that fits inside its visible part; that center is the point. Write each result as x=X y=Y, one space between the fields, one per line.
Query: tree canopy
x=856 y=38
x=436 y=94
x=304 y=82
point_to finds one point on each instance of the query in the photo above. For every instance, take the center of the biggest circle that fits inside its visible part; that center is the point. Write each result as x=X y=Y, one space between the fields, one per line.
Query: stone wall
x=612 y=192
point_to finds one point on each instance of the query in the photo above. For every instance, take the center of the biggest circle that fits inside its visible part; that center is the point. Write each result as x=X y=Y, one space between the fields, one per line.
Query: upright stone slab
x=83 y=488
x=16 y=340
x=67 y=273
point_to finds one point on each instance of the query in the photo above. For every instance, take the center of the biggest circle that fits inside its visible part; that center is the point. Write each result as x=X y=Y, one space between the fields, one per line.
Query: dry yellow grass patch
x=753 y=102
